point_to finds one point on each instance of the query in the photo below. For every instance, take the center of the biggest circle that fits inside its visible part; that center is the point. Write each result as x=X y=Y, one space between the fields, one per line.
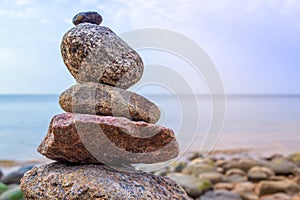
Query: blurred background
x=254 y=44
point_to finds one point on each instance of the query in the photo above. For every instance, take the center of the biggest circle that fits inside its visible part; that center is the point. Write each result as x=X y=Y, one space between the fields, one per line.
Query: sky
x=254 y=44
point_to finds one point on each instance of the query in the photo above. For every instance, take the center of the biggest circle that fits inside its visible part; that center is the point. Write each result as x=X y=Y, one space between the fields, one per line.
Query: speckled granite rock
x=87 y=17
x=104 y=139
x=66 y=181
x=100 y=99
x=95 y=53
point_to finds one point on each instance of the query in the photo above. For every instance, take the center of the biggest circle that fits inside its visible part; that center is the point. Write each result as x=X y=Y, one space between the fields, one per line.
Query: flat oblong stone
x=95 y=53
x=69 y=181
x=99 y=99
x=81 y=138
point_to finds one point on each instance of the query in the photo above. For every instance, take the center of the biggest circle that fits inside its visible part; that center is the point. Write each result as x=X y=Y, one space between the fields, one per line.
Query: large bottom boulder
x=77 y=181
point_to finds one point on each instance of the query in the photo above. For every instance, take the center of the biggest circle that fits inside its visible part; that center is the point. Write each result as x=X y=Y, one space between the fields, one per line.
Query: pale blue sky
x=255 y=44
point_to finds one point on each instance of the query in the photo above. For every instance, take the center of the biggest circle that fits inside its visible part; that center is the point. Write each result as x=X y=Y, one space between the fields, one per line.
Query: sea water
x=251 y=122
x=24 y=120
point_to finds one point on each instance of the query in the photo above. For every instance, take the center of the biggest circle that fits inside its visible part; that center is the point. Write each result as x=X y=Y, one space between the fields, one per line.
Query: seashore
x=230 y=174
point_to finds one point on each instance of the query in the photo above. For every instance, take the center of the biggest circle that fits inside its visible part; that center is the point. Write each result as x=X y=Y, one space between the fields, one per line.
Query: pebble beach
x=232 y=174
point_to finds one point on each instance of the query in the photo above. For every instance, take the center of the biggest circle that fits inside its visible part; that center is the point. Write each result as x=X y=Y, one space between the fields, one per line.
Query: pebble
x=295 y=158
x=3 y=187
x=14 y=177
x=87 y=17
x=235 y=171
x=198 y=166
x=235 y=178
x=245 y=190
x=220 y=195
x=224 y=186
x=193 y=186
x=258 y=173
x=272 y=187
x=244 y=186
x=248 y=195
x=282 y=166
x=213 y=177
x=244 y=164
x=235 y=175
x=277 y=196
x=177 y=166
x=12 y=194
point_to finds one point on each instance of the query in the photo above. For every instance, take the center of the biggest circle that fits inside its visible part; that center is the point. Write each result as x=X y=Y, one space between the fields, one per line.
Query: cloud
x=8 y=58
x=22 y=2
x=17 y=11
x=246 y=39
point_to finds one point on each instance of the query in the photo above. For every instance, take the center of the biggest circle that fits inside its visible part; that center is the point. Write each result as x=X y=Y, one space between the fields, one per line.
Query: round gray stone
x=220 y=195
x=95 y=53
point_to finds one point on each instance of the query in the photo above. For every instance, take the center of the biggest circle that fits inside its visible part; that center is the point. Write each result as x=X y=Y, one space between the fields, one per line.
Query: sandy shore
x=7 y=166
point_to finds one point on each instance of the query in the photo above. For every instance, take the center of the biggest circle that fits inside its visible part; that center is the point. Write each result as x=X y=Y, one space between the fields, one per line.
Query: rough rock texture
x=87 y=17
x=100 y=99
x=104 y=139
x=66 y=181
x=95 y=53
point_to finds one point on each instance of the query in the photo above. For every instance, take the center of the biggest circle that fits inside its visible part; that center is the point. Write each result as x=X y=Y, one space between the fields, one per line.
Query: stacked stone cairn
x=105 y=128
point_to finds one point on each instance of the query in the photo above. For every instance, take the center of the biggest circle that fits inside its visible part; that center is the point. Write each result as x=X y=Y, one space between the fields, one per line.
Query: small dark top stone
x=87 y=17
